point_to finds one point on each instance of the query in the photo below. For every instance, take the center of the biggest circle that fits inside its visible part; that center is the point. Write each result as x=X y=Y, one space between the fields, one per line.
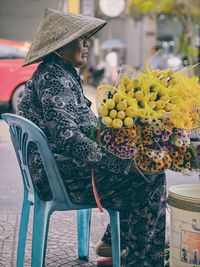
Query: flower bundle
x=148 y=117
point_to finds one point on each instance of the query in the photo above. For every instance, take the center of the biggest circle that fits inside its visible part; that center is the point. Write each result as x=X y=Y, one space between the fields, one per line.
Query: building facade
x=19 y=19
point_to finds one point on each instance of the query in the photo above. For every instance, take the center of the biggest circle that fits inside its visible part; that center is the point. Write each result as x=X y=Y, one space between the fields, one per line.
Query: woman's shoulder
x=52 y=70
x=48 y=68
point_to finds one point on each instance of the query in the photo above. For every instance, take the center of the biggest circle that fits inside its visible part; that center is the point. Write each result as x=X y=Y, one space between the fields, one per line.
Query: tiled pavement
x=62 y=239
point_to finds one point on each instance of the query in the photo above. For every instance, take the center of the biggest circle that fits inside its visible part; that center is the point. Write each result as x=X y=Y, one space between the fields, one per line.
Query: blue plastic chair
x=23 y=132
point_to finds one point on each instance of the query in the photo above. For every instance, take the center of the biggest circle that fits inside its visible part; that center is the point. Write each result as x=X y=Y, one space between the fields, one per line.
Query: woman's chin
x=82 y=63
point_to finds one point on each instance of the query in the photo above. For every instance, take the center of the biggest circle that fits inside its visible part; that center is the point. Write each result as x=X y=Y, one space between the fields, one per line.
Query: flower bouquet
x=149 y=117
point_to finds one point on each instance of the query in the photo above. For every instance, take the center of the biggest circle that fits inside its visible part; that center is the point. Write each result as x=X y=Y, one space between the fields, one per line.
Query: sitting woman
x=54 y=100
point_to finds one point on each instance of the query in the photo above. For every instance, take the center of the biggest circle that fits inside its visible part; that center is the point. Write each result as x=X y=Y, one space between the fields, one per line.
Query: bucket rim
x=185 y=192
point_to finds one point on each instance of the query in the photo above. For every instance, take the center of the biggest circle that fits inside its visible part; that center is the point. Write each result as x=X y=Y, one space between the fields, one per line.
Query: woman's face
x=76 y=52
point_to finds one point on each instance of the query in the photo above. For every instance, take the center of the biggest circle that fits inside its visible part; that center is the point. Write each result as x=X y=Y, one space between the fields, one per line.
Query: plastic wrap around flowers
x=150 y=117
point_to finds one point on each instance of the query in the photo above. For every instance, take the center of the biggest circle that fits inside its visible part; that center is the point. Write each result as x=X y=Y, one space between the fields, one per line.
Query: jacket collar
x=56 y=58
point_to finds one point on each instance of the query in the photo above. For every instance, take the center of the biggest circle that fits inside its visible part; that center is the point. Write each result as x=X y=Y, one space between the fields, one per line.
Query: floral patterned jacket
x=54 y=100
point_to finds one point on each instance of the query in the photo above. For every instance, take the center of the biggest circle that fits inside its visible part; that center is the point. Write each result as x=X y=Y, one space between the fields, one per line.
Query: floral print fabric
x=54 y=100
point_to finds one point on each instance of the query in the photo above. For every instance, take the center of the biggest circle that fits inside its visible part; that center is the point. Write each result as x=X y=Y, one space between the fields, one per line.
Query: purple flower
x=115 y=146
x=165 y=137
x=165 y=149
x=107 y=138
x=123 y=149
x=111 y=147
x=168 y=132
x=171 y=149
x=123 y=155
x=132 y=150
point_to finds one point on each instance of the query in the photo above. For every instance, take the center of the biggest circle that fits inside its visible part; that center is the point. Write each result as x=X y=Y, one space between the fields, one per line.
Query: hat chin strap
x=59 y=55
x=67 y=61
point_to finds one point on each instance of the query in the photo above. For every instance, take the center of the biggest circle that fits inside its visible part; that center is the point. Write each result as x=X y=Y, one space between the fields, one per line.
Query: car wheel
x=16 y=97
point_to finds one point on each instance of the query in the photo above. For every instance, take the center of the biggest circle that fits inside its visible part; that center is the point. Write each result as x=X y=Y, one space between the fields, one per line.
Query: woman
x=54 y=100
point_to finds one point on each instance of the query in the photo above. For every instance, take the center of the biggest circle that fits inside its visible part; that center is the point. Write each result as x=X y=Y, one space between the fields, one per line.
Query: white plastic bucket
x=184 y=201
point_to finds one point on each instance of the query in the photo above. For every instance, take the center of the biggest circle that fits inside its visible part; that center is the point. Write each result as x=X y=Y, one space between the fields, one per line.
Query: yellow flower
x=102 y=110
x=169 y=107
x=142 y=113
x=107 y=121
x=139 y=95
x=117 y=123
x=131 y=93
x=128 y=122
x=110 y=103
x=132 y=102
x=136 y=83
x=121 y=114
x=117 y=97
x=160 y=104
x=113 y=113
x=125 y=80
x=122 y=105
x=121 y=88
x=129 y=87
x=153 y=96
x=131 y=111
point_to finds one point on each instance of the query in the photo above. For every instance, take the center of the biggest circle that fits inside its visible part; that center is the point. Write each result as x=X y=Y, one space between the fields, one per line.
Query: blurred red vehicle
x=12 y=75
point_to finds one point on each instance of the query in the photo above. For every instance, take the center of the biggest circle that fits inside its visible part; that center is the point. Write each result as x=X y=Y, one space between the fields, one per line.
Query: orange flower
x=188 y=156
x=144 y=149
x=174 y=155
x=134 y=127
x=167 y=158
x=144 y=168
x=145 y=131
x=141 y=148
x=167 y=165
x=183 y=149
x=132 y=134
x=150 y=133
x=175 y=165
x=131 y=143
x=188 y=165
x=175 y=161
x=148 y=140
x=180 y=157
x=159 y=163
x=119 y=140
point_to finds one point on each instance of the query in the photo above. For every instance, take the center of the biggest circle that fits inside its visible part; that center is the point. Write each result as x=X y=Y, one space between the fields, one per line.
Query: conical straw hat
x=58 y=29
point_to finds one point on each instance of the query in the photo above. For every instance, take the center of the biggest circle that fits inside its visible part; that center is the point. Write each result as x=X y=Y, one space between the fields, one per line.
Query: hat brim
x=87 y=34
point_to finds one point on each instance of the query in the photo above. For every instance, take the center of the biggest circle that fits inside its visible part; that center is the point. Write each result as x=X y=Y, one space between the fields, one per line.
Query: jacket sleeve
x=59 y=104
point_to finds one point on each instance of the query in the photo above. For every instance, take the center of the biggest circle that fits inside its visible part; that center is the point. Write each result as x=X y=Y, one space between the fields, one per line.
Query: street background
x=166 y=32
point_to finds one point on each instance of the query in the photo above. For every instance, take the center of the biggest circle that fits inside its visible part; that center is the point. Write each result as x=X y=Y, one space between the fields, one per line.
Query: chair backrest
x=23 y=132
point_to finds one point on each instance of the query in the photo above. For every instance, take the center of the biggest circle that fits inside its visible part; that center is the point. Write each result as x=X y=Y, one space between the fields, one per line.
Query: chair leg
x=23 y=232
x=115 y=237
x=83 y=225
x=40 y=233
